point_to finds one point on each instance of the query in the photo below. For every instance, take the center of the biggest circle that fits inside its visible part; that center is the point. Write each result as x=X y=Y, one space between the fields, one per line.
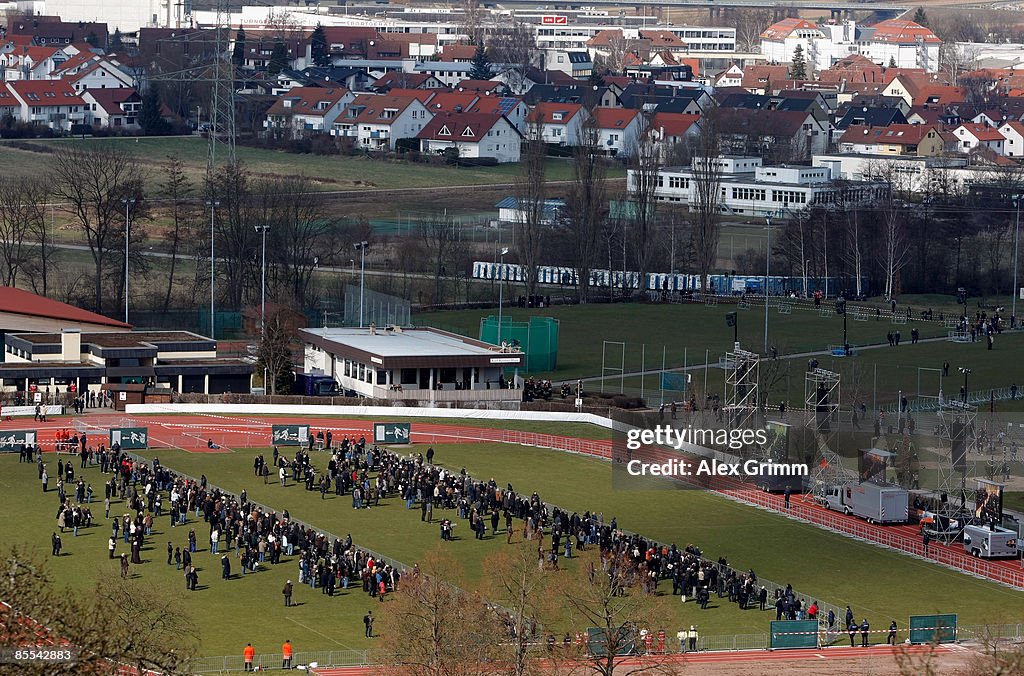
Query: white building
x=748 y=188
x=973 y=135
x=377 y=122
x=474 y=135
x=906 y=43
x=424 y=364
x=1013 y=132
x=308 y=109
x=127 y=17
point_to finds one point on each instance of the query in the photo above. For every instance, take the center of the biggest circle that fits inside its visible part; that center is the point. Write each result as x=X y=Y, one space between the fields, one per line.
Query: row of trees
x=106 y=190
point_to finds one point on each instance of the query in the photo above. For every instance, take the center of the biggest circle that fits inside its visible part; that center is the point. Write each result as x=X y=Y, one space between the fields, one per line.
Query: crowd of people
x=257 y=537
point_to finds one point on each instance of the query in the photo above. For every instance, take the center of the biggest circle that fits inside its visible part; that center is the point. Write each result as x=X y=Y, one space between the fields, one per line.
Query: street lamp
x=361 y=248
x=767 y=272
x=127 y=202
x=501 y=289
x=262 y=230
x=213 y=204
x=807 y=262
x=966 y=371
x=1016 y=239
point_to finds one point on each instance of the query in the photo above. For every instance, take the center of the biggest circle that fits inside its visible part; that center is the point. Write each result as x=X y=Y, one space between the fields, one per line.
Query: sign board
x=933 y=628
x=37 y=397
x=128 y=438
x=13 y=440
x=794 y=634
x=674 y=382
x=289 y=435
x=554 y=20
x=597 y=642
x=392 y=433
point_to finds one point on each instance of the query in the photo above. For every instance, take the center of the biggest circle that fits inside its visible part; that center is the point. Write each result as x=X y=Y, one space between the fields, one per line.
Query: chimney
x=71 y=345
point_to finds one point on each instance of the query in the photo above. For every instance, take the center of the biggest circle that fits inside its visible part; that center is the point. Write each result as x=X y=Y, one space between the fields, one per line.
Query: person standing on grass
x=286 y=655
x=287 y=591
x=864 y=629
x=247 y=656
x=368 y=623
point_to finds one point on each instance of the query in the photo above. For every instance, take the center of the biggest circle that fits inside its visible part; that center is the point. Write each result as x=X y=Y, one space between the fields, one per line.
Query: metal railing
x=978 y=398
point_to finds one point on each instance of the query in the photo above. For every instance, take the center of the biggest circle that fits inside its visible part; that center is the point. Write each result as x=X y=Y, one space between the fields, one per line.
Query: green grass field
x=324 y=172
x=814 y=561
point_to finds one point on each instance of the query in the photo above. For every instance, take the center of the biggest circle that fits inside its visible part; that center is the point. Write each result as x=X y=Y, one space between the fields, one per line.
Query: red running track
x=835 y=653
x=192 y=432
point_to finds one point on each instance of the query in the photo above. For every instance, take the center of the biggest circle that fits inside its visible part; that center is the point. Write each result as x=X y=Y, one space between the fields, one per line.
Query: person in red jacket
x=286 y=655
x=248 y=654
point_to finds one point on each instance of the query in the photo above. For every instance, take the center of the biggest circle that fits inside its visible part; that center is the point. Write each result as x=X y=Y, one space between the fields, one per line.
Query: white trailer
x=877 y=503
x=990 y=542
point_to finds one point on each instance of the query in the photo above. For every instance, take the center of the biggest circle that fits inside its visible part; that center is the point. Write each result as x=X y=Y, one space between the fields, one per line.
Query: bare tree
x=515 y=48
x=614 y=56
x=529 y=228
x=274 y=351
x=749 y=24
x=115 y=625
x=433 y=628
x=474 y=18
x=616 y=607
x=22 y=216
x=586 y=206
x=516 y=583
x=645 y=165
x=441 y=240
x=94 y=178
x=707 y=178
x=236 y=241
x=178 y=190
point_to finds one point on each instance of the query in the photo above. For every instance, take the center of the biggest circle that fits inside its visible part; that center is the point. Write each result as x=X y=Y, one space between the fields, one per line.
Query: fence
x=978 y=398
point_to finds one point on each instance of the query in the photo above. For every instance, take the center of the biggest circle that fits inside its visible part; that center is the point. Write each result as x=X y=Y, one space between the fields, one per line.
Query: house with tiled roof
x=457 y=52
x=560 y=123
x=730 y=77
x=670 y=131
x=482 y=86
x=972 y=135
x=758 y=79
x=473 y=135
x=379 y=121
x=116 y=108
x=50 y=103
x=27 y=62
x=898 y=139
x=397 y=79
x=512 y=107
x=1013 y=132
x=618 y=130
x=903 y=42
x=100 y=74
x=303 y=111
x=447 y=101
x=821 y=44
x=779 y=135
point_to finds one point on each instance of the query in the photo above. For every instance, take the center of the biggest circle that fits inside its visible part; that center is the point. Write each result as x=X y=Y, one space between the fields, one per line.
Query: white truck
x=878 y=503
x=990 y=542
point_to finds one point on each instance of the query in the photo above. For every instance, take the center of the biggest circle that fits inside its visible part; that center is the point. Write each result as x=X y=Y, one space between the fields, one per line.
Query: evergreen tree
x=238 y=52
x=798 y=68
x=150 y=119
x=480 y=66
x=116 y=43
x=892 y=61
x=92 y=39
x=318 y=48
x=278 y=58
x=920 y=17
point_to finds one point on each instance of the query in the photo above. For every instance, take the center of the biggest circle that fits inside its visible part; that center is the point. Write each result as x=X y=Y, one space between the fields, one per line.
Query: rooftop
x=123 y=339
x=420 y=342
x=16 y=301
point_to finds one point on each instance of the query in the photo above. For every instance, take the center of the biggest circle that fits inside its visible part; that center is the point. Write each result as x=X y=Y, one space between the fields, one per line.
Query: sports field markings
x=332 y=640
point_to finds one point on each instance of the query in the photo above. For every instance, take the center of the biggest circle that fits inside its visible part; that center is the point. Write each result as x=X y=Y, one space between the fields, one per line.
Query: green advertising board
x=129 y=438
x=794 y=634
x=13 y=440
x=289 y=435
x=392 y=433
x=597 y=642
x=933 y=628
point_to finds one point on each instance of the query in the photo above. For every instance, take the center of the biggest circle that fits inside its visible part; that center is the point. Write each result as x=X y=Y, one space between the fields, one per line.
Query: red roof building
x=24 y=311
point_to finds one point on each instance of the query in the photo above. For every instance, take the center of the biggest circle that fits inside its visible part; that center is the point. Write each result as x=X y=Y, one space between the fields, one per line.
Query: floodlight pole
x=767 y=273
x=1016 y=242
x=501 y=291
x=213 y=204
x=361 y=247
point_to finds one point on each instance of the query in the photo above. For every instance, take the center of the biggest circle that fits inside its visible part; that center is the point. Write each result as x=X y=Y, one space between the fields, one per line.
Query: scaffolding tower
x=822 y=397
x=958 y=431
x=742 y=394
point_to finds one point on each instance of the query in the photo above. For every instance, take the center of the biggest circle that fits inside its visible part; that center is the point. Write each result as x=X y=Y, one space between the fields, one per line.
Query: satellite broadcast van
x=990 y=542
x=877 y=503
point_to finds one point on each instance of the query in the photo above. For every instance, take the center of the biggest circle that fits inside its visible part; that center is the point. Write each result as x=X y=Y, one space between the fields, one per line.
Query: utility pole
x=1016 y=242
x=767 y=273
x=501 y=295
x=127 y=202
x=213 y=204
x=361 y=248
